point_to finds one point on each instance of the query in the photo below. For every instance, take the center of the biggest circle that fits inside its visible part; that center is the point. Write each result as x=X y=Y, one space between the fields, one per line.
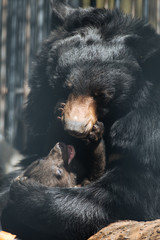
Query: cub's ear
x=60 y=10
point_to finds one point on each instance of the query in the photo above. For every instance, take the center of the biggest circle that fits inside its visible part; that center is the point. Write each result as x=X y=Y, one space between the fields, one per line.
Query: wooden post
x=3 y=88
x=158 y=16
x=152 y=13
x=109 y=4
x=86 y=3
x=126 y=6
x=138 y=8
x=100 y=4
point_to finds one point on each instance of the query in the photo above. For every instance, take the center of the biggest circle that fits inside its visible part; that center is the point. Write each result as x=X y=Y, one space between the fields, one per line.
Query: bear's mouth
x=71 y=153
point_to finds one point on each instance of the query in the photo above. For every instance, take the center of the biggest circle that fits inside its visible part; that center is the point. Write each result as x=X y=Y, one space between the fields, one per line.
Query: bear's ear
x=60 y=10
x=146 y=47
x=151 y=66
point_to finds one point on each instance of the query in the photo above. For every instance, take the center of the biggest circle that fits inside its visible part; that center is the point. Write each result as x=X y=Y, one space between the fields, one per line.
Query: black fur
x=115 y=59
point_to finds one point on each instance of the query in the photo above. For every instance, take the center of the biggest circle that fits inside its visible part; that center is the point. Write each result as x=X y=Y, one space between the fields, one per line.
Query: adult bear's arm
x=73 y=213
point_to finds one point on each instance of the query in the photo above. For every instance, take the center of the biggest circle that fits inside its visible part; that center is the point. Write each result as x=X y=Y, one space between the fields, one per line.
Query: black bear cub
x=60 y=168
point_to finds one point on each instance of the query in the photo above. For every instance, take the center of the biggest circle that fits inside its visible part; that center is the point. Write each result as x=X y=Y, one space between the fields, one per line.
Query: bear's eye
x=68 y=85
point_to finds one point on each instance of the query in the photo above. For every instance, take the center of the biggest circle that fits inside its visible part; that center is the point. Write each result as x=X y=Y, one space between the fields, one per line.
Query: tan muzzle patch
x=79 y=115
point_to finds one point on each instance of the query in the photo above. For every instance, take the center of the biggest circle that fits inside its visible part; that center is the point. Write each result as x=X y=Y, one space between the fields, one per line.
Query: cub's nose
x=60 y=146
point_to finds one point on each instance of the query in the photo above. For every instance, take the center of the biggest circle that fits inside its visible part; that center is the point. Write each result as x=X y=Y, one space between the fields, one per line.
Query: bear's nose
x=79 y=115
x=78 y=129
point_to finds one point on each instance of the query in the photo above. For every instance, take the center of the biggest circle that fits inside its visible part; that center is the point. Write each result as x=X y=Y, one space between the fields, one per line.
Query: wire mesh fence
x=23 y=26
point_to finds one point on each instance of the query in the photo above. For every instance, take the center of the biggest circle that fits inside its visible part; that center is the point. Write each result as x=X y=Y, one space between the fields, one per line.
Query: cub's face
x=53 y=170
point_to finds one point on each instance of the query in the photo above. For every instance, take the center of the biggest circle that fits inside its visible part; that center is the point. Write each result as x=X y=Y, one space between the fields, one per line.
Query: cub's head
x=54 y=170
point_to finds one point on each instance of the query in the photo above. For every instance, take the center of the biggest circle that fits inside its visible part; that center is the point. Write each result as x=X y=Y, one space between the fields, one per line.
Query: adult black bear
x=103 y=68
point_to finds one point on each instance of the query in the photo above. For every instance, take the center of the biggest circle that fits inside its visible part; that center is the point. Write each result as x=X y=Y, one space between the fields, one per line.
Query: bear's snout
x=79 y=115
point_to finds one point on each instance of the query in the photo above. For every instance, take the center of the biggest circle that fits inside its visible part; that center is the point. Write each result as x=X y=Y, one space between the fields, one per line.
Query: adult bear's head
x=94 y=66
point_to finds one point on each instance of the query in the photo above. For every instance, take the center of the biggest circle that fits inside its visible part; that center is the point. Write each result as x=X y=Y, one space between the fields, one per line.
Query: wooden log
x=129 y=230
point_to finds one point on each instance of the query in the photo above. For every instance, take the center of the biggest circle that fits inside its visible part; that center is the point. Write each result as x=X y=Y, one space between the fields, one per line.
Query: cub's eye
x=59 y=172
